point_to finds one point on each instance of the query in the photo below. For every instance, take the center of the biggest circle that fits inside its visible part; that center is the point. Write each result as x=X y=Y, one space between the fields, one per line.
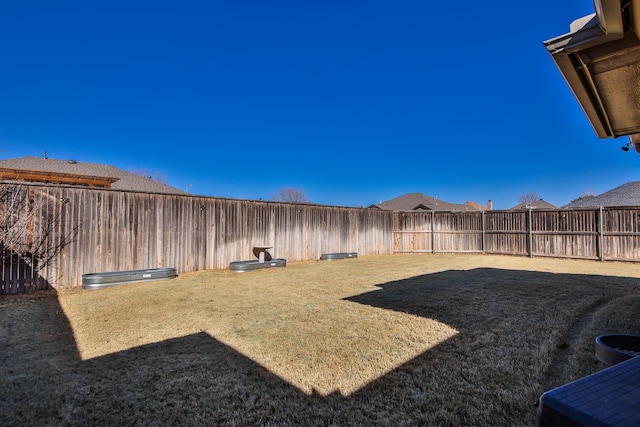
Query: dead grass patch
x=431 y=339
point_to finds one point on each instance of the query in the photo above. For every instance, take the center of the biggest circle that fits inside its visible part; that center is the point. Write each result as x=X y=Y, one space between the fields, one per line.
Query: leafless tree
x=289 y=195
x=588 y=192
x=529 y=198
x=146 y=173
x=28 y=225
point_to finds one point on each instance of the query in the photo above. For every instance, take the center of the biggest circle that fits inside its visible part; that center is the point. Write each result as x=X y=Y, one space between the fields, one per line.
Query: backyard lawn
x=443 y=340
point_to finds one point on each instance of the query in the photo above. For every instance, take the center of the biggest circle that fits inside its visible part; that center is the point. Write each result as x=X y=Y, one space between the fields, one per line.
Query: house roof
x=626 y=195
x=38 y=169
x=538 y=204
x=418 y=202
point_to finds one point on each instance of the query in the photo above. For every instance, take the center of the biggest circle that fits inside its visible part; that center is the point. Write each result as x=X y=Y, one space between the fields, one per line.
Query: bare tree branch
x=28 y=229
x=146 y=173
x=586 y=193
x=289 y=195
x=529 y=198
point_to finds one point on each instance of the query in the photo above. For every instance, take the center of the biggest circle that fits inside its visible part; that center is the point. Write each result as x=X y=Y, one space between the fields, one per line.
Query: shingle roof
x=538 y=204
x=626 y=195
x=125 y=180
x=419 y=201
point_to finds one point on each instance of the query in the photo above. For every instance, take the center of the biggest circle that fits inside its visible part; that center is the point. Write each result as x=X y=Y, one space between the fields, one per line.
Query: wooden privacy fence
x=82 y=230
x=52 y=235
x=606 y=234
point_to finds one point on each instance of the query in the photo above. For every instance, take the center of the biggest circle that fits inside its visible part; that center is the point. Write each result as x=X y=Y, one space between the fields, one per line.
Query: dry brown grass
x=386 y=340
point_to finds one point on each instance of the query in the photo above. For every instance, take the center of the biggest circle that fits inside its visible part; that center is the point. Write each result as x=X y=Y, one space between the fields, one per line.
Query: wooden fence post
x=433 y=236
x=483 y=228
x=529 y=233
x=600 y=226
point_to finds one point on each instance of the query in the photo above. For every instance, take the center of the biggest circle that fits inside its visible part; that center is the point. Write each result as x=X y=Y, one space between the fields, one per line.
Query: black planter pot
x=613 y=349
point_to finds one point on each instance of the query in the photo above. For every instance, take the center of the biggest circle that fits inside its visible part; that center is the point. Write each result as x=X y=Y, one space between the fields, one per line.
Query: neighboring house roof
x=626 y=195
x=538 y=204
x=38 y=169
x=418 y=202
x=477 y=206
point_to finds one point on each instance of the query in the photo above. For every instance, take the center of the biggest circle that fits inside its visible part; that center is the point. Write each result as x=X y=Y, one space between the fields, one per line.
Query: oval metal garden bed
x=251 y=265
x=338 y=255
x=112 y=278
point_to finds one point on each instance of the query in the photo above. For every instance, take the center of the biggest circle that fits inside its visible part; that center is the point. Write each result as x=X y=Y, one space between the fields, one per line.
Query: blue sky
x=353 y=102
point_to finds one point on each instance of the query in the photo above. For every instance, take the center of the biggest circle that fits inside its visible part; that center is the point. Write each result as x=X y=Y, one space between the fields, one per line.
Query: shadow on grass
x=192 y=380
x=472 y=300
x=489 y=374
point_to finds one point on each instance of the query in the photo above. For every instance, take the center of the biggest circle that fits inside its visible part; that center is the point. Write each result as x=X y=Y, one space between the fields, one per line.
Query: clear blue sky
x=353 y=102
